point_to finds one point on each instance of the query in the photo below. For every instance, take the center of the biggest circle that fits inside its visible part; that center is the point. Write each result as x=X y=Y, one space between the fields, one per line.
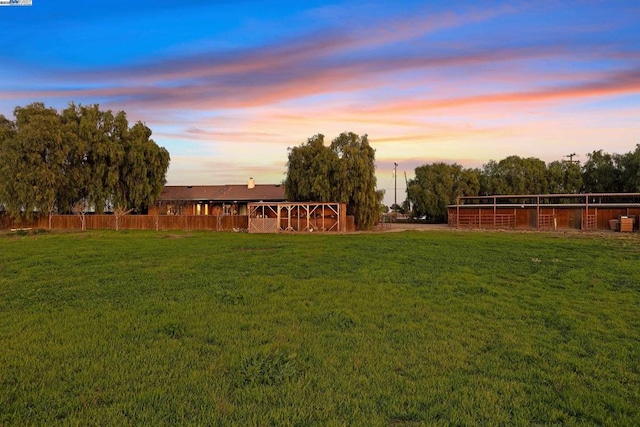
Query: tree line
x=60 y=162
x=439 y=184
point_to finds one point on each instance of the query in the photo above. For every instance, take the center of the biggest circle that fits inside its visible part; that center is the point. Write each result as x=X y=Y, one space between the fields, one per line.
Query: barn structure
x=593 y=211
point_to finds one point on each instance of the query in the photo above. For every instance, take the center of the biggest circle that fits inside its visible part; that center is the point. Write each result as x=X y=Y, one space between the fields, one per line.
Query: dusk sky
x=226 y=86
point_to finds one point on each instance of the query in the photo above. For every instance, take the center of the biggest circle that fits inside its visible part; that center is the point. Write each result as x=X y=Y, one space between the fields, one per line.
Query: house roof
x=224 y=193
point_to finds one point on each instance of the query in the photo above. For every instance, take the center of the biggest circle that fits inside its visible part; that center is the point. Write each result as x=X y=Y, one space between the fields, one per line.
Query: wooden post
x=586 y=214
x=495 y=211
x=278 y=218
x=537 y=212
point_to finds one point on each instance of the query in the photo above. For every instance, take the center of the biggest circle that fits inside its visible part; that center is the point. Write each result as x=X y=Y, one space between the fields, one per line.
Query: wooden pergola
x=297 y=217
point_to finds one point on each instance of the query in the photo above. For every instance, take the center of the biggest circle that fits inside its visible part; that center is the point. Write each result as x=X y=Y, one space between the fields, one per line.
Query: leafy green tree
x=515 y=175
x=142 y=170
x=310 y=172
x=564 y=177
x=52 y=162
x=489 y=180
x=406 y=206
x=355 y=179
x=343 y=172
x=76 y=174
x=7 y=136
x=397 y=208
x=99 y=153
x=600 y=173
x=34 y=162
x=629 y=170
x=467 y=183
x=440 y=184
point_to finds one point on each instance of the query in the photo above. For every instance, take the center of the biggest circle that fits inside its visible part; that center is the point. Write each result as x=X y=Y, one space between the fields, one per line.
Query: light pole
x=395 y=187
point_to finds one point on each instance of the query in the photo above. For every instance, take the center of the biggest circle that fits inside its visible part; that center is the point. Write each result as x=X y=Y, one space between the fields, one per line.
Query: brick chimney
x=251 y=183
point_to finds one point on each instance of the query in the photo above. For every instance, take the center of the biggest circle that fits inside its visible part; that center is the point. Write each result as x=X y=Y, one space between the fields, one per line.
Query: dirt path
x=400 y=226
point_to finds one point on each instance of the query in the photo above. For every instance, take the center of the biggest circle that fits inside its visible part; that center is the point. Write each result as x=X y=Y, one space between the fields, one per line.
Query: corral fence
x=587 y=212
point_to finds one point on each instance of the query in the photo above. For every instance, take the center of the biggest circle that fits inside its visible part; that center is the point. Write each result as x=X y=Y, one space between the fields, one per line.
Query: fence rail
x=483 y=221
x=546 y=222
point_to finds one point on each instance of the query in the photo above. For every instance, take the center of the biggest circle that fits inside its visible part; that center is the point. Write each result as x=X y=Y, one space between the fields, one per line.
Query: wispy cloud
x=314 y=65
x=426 y=81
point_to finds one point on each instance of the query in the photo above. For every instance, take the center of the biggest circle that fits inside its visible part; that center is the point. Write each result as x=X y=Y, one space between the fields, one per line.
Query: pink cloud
x=623 y=83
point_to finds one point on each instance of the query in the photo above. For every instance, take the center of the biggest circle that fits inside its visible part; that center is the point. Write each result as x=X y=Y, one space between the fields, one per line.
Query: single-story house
x=215 y=199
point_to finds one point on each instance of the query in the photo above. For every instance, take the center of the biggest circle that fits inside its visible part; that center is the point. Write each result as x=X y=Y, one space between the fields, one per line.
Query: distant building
x=589 y=211
x=215 y=199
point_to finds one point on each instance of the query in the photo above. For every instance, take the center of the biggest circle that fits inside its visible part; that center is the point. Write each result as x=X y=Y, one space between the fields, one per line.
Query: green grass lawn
x=107 y=328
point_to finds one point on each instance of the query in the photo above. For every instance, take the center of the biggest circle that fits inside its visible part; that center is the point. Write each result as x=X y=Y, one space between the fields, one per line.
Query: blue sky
x=228 y=86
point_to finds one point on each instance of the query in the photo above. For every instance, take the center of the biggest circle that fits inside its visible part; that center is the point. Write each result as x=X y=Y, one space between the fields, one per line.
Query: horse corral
x=587 y=212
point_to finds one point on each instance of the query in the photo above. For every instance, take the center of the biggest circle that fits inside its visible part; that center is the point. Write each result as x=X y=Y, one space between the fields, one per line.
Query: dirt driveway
x=400 y=226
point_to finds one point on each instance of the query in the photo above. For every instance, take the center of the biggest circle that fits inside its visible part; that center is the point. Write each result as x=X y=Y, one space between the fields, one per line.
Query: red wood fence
x=141 y=222
x=133 y=222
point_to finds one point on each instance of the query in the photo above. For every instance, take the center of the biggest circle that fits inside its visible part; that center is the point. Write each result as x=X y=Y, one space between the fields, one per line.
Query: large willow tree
x=342 y=172
x=51 y=162
x=33 y=160
x=439 y=184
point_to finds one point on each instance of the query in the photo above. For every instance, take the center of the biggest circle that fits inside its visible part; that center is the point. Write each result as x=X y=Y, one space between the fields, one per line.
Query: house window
x=198 y=209
x=206 y=209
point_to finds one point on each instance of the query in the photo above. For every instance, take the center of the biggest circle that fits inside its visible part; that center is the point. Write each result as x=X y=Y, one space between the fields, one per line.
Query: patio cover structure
x=297 y=217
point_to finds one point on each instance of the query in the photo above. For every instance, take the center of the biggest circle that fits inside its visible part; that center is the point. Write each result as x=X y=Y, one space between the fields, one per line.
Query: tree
x=489 y=180
x=142 y=170
x=439 y=184
x=80 y=209
x=100 y=151
x=600 y=173
x=342 y=172
x=564 y=177
x=310 y=172
x=355 y=179
x=629 y=170
x=514 y=175
x=517 y=175
x=7 y=135
x=397 y=208
x=50 y=161
x=34 y=159
x=119 y=212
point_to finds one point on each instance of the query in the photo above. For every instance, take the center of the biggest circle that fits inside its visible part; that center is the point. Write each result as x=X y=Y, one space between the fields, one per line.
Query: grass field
x=107 y=328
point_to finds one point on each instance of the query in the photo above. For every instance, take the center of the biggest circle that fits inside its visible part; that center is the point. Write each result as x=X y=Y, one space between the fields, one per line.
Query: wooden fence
x=133 y=222
x=141 y=222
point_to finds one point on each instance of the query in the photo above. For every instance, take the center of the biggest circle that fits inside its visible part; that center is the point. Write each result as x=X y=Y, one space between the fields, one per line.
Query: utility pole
x=571 y=156
x=395 y=187
x=406 y=182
